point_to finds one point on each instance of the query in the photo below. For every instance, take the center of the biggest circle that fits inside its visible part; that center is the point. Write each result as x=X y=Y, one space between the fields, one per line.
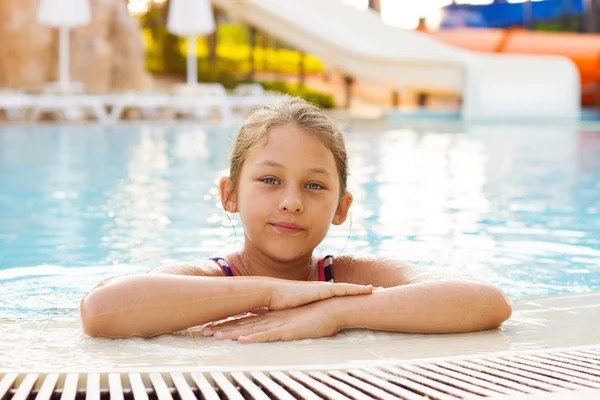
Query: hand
x=290 y=294
x=309 y=321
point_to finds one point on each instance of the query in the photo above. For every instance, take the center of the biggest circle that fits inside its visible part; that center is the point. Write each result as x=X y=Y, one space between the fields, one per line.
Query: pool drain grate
x=540 y=375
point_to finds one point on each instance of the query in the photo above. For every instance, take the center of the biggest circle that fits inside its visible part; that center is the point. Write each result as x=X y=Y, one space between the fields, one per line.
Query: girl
x=288 y=183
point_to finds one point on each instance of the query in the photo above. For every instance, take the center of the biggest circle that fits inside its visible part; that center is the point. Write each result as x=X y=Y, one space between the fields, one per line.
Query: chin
x=285 y=253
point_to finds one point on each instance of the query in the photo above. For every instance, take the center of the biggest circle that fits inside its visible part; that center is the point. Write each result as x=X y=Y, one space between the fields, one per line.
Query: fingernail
x=207 y=332
x=219 y=335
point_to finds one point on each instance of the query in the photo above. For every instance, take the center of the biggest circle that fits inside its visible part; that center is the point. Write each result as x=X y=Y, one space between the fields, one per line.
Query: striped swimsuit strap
x=227 y=270
x=325 y=268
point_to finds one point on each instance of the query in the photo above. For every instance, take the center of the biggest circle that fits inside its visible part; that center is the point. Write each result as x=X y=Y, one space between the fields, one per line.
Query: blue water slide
x=502 y=15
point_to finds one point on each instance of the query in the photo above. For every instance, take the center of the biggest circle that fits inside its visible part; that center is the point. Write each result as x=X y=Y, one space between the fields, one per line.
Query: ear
x=343 y=207
x=228 y=195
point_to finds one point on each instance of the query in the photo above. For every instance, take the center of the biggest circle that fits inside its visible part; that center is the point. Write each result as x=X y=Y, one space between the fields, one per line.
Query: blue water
x=515 y=206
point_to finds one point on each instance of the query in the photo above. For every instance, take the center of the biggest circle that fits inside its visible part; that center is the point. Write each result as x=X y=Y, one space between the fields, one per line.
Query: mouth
x=285 y=227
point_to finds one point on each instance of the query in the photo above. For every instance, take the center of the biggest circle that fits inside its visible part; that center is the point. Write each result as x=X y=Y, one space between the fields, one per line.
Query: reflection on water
x=516 y=206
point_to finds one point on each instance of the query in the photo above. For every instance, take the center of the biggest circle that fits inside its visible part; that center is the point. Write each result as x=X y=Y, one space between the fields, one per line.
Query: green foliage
x=323 y=100
x=561 y=24
x=166 y=54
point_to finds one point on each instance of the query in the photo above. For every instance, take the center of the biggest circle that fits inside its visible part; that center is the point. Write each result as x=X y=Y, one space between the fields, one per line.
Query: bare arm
x=434 y=306
x=153 y=303
x=417 y=300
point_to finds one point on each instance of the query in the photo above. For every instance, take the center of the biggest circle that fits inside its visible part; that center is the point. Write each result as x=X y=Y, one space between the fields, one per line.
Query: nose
x=291 y=202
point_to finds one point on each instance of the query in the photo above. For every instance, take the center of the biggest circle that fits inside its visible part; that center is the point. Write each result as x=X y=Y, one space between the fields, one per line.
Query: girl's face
x=288 y=194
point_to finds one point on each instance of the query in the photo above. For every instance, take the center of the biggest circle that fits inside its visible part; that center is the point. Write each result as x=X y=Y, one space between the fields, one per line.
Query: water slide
x=357 y=43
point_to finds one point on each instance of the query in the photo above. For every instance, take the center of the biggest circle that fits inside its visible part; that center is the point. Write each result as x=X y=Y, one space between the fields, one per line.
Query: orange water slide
x=583 y=49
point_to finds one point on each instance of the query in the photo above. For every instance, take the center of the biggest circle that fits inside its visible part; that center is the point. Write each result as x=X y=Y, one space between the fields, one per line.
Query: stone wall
x=106 y=55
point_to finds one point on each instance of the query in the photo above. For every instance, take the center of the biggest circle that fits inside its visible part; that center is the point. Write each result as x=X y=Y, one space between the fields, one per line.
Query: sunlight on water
x=517 y=207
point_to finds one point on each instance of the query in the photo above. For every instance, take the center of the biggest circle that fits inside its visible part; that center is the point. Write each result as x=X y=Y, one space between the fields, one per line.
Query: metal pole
x=591 y=15
x=528 y=14
x=251 y=55
x=301 y=70
x=192 y=61
x=63 y=57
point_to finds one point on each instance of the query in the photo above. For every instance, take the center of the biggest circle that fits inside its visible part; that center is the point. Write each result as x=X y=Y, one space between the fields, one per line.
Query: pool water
x=515 y=206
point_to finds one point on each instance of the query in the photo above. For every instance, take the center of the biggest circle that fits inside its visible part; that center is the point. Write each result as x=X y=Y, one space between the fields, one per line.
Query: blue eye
x=314 y=186
x=270 y=181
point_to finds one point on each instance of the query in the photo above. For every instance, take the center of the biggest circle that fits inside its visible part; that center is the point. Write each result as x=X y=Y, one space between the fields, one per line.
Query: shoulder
x=379 y=271
x=195 y=268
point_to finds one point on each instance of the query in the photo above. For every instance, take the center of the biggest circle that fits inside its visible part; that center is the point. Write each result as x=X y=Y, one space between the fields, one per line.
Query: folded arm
x=175 y=299
x=432 y=306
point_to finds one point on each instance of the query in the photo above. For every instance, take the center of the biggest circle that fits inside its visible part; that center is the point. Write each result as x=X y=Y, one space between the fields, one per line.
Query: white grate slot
x=184 y=390
x=25 y=387
x=385 y=385
x=525 y=372
x=137 y=386
x=427 y=381
x=227 y=387
x=317 y=386
x=340 y=386
x=114 y=387
x=587 y=354
x=571 y=365
x=92 y=389
x=47 y=388
x=70 y=389
x=206 y=389
x=271 y=386
x=294 y=386
x=365 y=387
x=160 y=387
x=413 y=386
x=454 y=379
x=495 y=371
x=7 y=383
x=506 y=384
x=250 y=387
x=562 y=373
x=584 y=360
x=593 y=352
x=469 y=382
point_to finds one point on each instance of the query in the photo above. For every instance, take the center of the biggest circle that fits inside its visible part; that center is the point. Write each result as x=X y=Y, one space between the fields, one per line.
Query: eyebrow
x=275 y=164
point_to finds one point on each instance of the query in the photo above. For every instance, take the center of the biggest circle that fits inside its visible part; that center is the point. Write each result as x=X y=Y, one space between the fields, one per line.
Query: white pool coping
x=557 y=322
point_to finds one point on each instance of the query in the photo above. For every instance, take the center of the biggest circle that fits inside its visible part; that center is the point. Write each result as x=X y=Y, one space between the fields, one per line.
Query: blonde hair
x=290 y=110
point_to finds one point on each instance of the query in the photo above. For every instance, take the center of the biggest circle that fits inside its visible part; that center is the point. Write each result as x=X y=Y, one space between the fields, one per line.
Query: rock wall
x=106 y=55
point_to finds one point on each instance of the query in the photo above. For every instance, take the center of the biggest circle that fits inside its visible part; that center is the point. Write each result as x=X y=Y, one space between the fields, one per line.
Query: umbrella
x=63 y=14
x=190 y=18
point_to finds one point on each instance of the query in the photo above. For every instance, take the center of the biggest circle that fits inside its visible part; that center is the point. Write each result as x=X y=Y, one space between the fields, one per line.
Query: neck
x=251 y=262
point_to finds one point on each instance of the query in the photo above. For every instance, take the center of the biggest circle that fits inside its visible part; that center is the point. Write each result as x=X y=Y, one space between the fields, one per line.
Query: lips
x=287 y=227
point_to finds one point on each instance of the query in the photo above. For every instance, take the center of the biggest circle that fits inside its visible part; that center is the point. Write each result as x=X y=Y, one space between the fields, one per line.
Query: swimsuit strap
x=326 y=269
x=227 y=270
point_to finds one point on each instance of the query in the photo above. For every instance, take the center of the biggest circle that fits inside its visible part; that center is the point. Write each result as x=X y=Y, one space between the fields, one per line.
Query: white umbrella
x=63 y=14
x=190 y=18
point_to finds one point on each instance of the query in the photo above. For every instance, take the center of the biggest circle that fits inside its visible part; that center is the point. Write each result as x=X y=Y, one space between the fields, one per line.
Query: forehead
x=293 y=147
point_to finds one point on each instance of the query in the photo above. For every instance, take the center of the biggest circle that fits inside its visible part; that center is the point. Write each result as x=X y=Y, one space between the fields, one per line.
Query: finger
x=346 y=289
x=271 y=335
x=250 y=325
x=212 y=327
x=260 y=310
x=242 y=331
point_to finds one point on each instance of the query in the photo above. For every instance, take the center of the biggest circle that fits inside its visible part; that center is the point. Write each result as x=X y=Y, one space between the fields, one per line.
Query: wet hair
x=289 y=110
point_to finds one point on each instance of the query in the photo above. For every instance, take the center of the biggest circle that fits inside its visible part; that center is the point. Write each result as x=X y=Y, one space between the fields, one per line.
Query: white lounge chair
x=198 y=100
x=250 y=95
x=15 y=104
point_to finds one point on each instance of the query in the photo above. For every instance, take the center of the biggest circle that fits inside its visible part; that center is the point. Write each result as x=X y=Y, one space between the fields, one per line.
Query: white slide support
x=358 y=43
